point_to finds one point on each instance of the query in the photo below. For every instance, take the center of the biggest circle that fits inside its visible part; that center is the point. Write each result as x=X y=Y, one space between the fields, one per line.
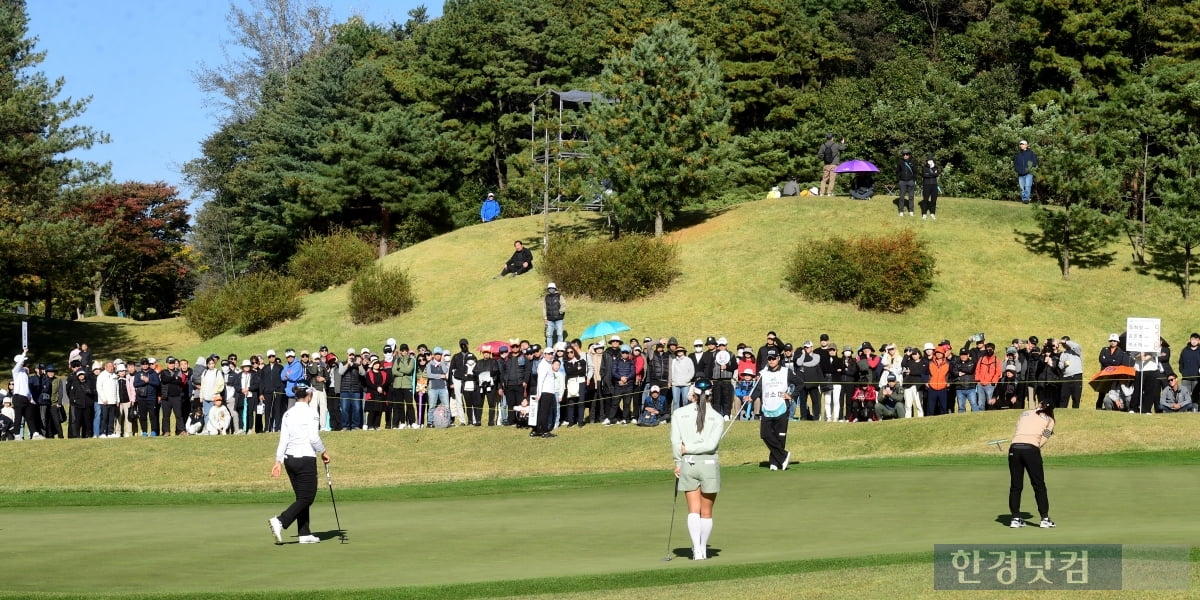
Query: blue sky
x=136 y=58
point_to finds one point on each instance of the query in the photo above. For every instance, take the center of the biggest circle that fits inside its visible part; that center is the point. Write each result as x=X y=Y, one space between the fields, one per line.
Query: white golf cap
x=391 y=343
x=928 y=346
x=615 y=338
x=365 y=351
x=551 y=286
x=271 y=352
x=722 y=341
x=245 y=362
x=350 y=351
x=1114 y=338
x=289 y=353
x=560 y=346
x=698 y=342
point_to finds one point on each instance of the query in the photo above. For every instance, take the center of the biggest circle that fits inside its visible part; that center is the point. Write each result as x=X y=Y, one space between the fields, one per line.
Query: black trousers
x=905 y=202
x=172 y=407
x=473 y=401
x=722 y=396
x=929 y=194
x=622 y=401
x=80 y=424
x=1024 y=458
x=1070 y=389
x=147 y=416
x=773 y=431
x=404 y=411
x=492 y=399
x=547 y=411
x=812 y=393
x=302 y=470
x=513 y=394
x=27 y=413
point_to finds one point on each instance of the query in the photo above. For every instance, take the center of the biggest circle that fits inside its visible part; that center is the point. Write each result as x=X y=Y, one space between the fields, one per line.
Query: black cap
x=787 y=346
x=404 y=347
x=772 y=354
x=144 y=361
x=300 y=389
x=824 y=337
x=171 y=359
x=712 y=341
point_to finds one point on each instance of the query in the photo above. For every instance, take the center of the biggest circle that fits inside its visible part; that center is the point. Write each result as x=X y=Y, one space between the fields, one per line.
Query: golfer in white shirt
x=299 y=443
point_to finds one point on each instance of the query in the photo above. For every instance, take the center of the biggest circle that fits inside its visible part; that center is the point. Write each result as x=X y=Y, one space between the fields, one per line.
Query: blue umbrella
x=604 y=328
x=856 y=166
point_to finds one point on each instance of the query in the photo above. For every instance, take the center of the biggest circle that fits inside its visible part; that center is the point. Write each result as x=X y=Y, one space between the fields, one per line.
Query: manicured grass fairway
x=601 y=536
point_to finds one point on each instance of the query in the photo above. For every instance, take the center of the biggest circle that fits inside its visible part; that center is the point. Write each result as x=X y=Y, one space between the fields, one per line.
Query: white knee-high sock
x=694 y=530
x=705 y=530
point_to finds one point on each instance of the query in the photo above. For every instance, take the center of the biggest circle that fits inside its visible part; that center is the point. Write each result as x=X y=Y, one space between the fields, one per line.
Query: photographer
x=987 y=374
x=962 y=369
x=1051 y=373
x=929 y=188
x=350 y=376
x=916 y=374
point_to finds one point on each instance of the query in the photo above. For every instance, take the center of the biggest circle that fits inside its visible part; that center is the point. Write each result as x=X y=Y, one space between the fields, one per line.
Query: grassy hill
x=730 y=285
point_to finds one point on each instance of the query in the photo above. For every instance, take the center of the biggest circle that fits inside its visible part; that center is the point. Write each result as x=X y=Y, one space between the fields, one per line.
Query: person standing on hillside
x=1034 y=428
x=906 y=177
x=554 y=310
x=828 y=153
x=490 y=210
x=299 y=444
x=929 y=188
x=1023 y=164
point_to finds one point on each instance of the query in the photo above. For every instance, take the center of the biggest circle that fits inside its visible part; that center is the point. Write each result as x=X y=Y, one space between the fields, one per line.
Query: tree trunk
x=1065 y=249
x=385 y=229
x=1187 y=272
x=658 y=224
x=98 y=298
x=48 y=298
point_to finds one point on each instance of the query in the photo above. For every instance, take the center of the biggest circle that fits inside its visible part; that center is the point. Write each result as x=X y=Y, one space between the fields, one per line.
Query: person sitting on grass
x=218 y=418
x=862 y=405
x=1010 y=392
x=652 y=408
x=195 y=423
x=520 y=262
x=522 y=414
x=890 y=404
x=1174 y=398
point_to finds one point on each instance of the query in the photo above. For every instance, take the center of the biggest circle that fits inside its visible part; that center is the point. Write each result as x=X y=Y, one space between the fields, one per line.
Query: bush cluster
x=889 y=273
x=629 y=268
x=378 y=294
x=247 y=304
x=323 y=261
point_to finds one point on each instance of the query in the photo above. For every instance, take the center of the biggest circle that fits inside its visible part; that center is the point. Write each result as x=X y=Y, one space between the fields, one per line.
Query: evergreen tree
x=1175 y=225
x=662 y=133
x=42 y=244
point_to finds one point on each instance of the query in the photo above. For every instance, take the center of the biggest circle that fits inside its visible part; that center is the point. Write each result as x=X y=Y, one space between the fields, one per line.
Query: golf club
x=329 y=480
x=733 y=414
x=997 y=444
x=674 y=503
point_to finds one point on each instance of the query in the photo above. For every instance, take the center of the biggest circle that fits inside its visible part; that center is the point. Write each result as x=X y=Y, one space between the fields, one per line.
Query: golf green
x=760 y=516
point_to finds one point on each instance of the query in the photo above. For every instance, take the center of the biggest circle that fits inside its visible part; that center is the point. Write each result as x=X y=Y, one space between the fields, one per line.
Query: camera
x=979 y=337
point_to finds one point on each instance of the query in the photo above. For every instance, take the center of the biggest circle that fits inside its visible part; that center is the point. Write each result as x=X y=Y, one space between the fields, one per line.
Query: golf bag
x=441 y=416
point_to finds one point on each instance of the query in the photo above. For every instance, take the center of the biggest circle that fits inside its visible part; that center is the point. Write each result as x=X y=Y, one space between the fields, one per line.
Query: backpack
x=441 y=417
x=554 y=307
x=823 y=153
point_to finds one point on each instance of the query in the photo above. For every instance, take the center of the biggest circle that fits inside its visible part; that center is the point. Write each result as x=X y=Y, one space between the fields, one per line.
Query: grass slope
x=730 y=285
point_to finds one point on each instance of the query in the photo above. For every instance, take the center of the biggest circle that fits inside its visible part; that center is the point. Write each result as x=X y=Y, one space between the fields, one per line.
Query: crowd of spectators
x=618 y=382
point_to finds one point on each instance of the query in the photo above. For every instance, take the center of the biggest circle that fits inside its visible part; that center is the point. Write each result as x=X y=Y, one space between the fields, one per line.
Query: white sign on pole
x=1142 y=335
x=24 y=334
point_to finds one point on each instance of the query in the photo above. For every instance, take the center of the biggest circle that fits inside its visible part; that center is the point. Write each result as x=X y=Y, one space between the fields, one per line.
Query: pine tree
x=42 y=244
x=662 y=132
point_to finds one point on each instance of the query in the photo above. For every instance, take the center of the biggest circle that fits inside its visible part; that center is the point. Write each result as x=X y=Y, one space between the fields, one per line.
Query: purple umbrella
x=856 y=166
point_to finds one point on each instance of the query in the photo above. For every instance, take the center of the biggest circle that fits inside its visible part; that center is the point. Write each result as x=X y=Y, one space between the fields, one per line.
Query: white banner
x=24 y=334
x=1142 y=335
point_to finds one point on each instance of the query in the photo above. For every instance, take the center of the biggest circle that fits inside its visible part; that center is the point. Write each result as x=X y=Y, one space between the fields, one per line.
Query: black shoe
x=533 y=434
x=548 y=435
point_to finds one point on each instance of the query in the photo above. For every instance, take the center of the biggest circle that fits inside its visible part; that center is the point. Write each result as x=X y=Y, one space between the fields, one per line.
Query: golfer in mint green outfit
x=695 y=434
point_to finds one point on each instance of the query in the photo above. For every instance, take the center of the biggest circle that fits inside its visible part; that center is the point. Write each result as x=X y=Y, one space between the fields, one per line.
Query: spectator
x=520 y=262
x=623 y=373
x=490 y=210
x=939 y=383
x=929 y=188
x=808 y=370
x=683 y=373
x=1189 y=364
x=437 y=372
x=1174 y=398
x=862 y=404
x=791 y=188
x=107 y=396
x=1111 y=356
x=828 y=153
x=1145 y=383
x=1023 y=164
x=271 y=392
x=987 y=374
x=404 y=367
x=916 y=375
x=906 y=177
x=1071 y=365
x=83 y=402
x=352 y=376
x=146 y=388
x=218 y=420
x=554 y=310
x=1010 y=392
x=652 y=408
x=1034 y=367
x=962 y=369
x=890 y=401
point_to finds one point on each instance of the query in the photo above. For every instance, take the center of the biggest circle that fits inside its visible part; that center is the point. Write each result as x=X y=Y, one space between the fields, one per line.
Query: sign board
x=24 y=334
x=1142 y=335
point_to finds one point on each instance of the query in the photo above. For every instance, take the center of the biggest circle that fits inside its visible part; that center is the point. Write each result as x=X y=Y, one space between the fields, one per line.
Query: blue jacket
x=490 y=210
x=1024 y=161
x=146 y=390
x=1189 y=361
x=291 y=375
x=622 y=368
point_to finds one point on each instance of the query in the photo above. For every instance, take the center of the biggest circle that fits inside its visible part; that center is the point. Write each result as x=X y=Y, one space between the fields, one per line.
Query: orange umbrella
x=1100 y=380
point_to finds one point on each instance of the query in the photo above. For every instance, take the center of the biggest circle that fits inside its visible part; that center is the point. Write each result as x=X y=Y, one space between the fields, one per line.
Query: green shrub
x=378 y=294
x=263 y=300
x=334 y=259
x=208 y=314
x=889 y=273
x=629 y=268
x=247 y=304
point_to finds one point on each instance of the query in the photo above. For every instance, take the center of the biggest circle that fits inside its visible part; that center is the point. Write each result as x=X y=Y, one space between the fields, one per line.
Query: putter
x=997 y=444
x=329 y=480
x=671 y=529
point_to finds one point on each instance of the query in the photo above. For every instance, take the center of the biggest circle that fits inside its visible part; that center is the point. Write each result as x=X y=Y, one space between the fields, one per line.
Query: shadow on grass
x=1006 y=519
x=51 y=340
x=1085 y=254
